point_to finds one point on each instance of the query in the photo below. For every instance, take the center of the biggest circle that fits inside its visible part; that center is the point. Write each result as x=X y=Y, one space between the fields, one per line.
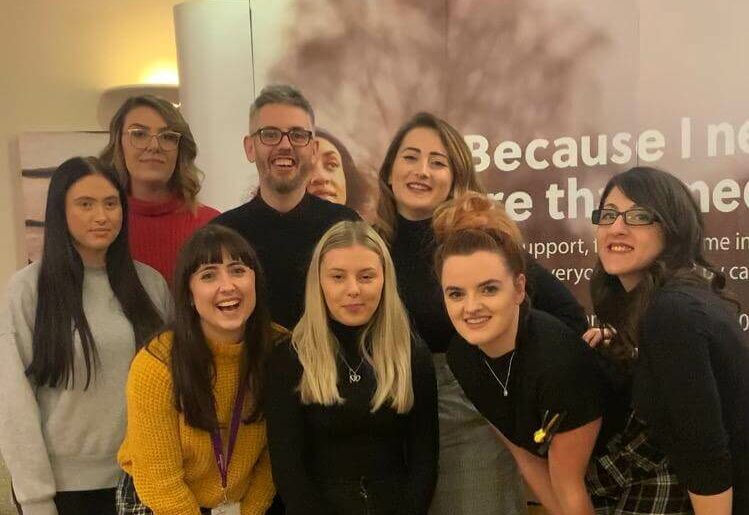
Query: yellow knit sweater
x=173 y=466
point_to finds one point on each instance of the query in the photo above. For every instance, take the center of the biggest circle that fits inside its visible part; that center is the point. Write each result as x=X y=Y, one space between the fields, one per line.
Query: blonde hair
x=388 y=330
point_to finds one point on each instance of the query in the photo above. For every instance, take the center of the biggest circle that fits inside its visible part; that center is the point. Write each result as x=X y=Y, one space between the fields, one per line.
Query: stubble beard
x=290 y=184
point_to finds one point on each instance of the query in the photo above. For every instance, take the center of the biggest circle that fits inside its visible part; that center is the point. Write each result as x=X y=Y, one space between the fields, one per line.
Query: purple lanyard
x=218 y=447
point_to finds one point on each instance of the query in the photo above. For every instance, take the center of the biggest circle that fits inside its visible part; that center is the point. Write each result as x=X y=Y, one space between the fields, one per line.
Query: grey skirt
x=477 y=474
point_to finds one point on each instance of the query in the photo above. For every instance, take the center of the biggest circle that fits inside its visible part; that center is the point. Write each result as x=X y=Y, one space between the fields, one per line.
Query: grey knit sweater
x=57 y=439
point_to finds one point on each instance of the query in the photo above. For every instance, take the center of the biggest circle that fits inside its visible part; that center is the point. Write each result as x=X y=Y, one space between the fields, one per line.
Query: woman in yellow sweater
x=196 y=440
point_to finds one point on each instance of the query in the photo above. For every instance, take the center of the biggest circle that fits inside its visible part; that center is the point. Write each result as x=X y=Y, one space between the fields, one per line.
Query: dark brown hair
x=682 y=259
x=356 y=183
x=60 y=287
x=192 y=366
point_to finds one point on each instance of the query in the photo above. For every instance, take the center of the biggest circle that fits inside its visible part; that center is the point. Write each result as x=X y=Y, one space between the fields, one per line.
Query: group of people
x=288 y=357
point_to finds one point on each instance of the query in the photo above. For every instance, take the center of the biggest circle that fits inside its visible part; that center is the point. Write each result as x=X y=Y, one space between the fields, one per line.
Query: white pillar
x=214 y=55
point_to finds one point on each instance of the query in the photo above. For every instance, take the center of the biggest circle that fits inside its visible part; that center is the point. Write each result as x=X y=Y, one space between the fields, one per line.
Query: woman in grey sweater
x=69 y=328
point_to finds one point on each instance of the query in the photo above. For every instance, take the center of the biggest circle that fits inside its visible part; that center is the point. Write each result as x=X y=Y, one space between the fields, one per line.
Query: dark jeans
x=84 y=502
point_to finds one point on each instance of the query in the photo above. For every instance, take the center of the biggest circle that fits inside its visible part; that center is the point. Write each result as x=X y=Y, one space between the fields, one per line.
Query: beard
x=285 y=184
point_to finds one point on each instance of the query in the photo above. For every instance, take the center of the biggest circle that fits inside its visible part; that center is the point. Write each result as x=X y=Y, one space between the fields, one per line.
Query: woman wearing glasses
x=152 y=148
x=685 y=447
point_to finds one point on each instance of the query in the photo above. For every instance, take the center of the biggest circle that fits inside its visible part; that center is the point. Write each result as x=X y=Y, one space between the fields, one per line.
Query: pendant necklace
x=353 y=374
x=507 y=379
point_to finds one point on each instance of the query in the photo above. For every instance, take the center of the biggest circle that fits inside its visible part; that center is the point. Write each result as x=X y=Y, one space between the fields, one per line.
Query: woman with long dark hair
x=196 y=437
x=153 y=150
x=685 y=447
x=352 y=398
x=427 y=163
x=71 y=325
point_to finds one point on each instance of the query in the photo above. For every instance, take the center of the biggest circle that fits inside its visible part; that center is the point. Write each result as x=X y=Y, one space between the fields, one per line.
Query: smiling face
x=283 y=167
x=351 y=280
x=94 y=216
x=483 y=299
x=421 y=177
x=224 y=297
x=328 y=180
x=151 y=168
x=627 y=251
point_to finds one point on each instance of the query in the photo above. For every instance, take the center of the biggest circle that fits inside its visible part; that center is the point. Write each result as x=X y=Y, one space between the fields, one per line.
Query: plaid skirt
x=128 y=502
x=634 y=477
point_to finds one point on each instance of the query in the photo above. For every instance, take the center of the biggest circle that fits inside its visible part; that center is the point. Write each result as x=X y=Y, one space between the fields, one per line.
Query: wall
x=56 y=58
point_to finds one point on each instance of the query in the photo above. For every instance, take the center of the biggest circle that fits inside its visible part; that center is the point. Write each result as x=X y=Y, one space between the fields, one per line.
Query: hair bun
x=473 y=211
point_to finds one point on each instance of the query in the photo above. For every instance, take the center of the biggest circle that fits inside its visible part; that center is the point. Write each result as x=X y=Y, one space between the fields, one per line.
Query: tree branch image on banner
x=553 y=98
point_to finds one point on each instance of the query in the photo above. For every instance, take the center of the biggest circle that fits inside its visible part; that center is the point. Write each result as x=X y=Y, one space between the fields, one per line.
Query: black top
x=284 y=243
x=553 y=372
x=313 y=444
x=691 y=387
x=413 y=255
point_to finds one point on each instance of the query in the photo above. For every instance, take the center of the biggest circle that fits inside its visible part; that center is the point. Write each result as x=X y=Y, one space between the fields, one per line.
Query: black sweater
x=553 y=373
x=313 y=444
x=691 y=387
x=284 y=243
x=413 y=254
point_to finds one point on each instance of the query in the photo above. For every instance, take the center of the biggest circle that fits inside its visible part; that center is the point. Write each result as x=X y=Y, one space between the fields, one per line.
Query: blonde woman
x=352 y=398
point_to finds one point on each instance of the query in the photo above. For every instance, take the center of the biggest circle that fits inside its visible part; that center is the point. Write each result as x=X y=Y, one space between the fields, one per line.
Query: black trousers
x=84 y=502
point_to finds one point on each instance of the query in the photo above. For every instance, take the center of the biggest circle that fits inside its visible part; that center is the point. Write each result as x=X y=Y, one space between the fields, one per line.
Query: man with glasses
x=283 y=223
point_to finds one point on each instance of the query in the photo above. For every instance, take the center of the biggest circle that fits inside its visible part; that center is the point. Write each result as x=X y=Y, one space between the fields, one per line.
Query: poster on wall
x=552 y=97
x=40 y=154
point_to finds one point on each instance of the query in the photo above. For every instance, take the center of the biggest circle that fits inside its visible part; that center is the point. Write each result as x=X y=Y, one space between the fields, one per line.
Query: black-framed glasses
x=273 y=135
x=141 y=138
x=634 y=216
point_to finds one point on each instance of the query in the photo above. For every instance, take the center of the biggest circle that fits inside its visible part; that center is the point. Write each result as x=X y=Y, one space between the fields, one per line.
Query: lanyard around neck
x=222 y=461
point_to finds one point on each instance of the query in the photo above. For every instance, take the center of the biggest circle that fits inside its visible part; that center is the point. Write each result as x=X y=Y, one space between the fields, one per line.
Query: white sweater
x=58 y=439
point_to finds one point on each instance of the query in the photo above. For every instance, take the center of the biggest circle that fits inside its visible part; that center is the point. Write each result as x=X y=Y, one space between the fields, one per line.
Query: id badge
x=231 y=508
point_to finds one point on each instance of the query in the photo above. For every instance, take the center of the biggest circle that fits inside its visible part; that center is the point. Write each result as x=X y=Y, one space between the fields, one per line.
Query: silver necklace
x=353 y=374
x=507 y=379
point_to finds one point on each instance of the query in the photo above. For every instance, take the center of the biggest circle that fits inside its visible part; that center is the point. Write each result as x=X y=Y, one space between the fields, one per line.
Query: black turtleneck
x=311 y=445
x=413 y=254
x=284 y=243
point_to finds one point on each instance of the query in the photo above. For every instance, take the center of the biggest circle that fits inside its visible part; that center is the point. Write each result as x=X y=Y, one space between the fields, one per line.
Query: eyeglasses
x=636 y=216
x=273 y=136
x=141 y=138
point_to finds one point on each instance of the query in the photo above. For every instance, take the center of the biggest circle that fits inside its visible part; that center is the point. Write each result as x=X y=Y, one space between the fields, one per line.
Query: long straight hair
x=682 y=259
x=59 y=310
x=385 y=341
x=192 y=365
